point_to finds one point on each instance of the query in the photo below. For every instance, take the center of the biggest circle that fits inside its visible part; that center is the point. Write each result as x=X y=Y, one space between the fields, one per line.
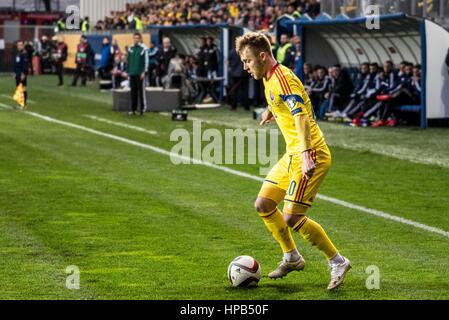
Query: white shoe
x=338 y=272
x=286 y=267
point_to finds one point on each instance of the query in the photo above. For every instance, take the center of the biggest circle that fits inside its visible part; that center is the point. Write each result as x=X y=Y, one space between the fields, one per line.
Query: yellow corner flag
x=19 y=96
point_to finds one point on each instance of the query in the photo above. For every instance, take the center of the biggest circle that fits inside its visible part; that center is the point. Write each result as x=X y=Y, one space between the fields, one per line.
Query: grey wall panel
x=321 y=52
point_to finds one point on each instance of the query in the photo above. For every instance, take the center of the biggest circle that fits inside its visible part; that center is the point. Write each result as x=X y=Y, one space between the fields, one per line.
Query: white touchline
x=11 y=98
x=342 y=203
x=121 y=124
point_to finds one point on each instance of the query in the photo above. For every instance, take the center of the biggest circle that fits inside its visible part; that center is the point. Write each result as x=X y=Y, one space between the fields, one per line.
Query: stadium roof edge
x=347 y=21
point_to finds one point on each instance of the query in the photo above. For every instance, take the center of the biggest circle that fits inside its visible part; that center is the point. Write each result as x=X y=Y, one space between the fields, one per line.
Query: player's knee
x=264 y=205
x=292 y=219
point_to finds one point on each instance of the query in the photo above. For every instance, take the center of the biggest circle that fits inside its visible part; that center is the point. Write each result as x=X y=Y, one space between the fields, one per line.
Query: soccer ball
x=244 y=271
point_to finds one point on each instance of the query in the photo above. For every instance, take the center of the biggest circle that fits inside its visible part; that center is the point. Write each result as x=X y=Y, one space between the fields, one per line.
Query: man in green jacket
x=137 y=65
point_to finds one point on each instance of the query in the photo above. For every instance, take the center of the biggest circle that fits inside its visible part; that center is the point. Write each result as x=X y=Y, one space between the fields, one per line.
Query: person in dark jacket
x=238 y=88
x=83 y=54
x=167 y=53
x=341 y=89
x=210 y=58
x=21 y=65
x=320 y=87
x=137 y=66
x=59 y=57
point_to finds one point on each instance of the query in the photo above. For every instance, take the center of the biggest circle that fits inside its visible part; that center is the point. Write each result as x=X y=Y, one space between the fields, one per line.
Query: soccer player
x=298 y=174
x=21 y=65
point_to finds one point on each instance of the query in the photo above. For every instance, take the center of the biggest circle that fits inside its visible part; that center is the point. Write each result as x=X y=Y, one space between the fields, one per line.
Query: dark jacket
x=21 y=63
x=342 y=85
x=164 y=59
x=235 y=65
x=209 y=57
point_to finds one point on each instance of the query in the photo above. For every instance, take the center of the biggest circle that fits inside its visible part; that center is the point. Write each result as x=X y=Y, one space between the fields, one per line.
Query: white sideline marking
x=342 y=203
x=121 y=124
x=11 y=98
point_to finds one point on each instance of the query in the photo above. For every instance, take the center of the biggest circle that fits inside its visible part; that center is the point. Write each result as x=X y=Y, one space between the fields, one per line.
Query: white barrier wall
x=437 y=80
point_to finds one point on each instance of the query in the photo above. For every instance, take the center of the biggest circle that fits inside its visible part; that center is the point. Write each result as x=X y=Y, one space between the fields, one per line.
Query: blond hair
x=256 y=41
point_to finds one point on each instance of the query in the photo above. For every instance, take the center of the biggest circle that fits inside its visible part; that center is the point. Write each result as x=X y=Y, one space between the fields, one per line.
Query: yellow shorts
x=284 y=181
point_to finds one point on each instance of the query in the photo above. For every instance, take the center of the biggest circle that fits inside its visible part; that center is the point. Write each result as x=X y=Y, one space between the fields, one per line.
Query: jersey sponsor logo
x=271 y=95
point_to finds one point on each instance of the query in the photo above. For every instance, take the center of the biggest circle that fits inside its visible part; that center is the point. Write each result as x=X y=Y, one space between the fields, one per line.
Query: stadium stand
x=336 y=27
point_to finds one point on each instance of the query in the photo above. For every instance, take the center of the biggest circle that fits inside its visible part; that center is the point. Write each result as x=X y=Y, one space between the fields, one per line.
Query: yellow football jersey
x=287 y=98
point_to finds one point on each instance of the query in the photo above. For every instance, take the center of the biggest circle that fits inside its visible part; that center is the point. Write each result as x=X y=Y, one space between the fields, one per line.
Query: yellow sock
x=279 y=229
x=315 y=234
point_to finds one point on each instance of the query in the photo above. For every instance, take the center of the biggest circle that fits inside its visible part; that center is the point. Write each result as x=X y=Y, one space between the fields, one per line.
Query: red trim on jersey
x=281 y=82
x=284 y=90
x=272 y=71
x=282 y=79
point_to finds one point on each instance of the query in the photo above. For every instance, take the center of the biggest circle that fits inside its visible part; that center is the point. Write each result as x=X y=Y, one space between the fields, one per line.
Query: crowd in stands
x=255 y=14
x=373 y=99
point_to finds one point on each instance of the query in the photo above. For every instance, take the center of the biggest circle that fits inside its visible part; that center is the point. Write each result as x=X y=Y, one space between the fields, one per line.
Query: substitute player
x=298 y=174
x=21 y=65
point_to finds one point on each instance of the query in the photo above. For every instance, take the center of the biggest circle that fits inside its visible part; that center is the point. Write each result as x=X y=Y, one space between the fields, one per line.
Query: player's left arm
x=295 y=102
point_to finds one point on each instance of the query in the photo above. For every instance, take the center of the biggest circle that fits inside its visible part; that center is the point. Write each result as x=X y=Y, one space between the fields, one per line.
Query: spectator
x=59 y=57
x=285 y=53
x=308 y=76
x=167 y=53
x=210 y=59
x=83 y=53
x=313 y=8
x=107 y=59
x=407 y=92
x=356 y=97
x=45 y=54
x=319 y=89
x=119 y=74
x=339 y=92
x=377 y=82
x=238 y=88
x=296 y=46
x=85 y=25
x=153 y=74
x=137 y=65
x=260 y=15
x=29 y=48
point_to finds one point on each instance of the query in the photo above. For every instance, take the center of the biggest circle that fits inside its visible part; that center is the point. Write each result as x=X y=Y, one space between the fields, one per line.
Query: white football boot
x=338 y=272
x=286 y=267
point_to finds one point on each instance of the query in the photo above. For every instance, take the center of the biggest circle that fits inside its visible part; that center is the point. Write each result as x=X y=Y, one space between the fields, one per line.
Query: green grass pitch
x=139 y=227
